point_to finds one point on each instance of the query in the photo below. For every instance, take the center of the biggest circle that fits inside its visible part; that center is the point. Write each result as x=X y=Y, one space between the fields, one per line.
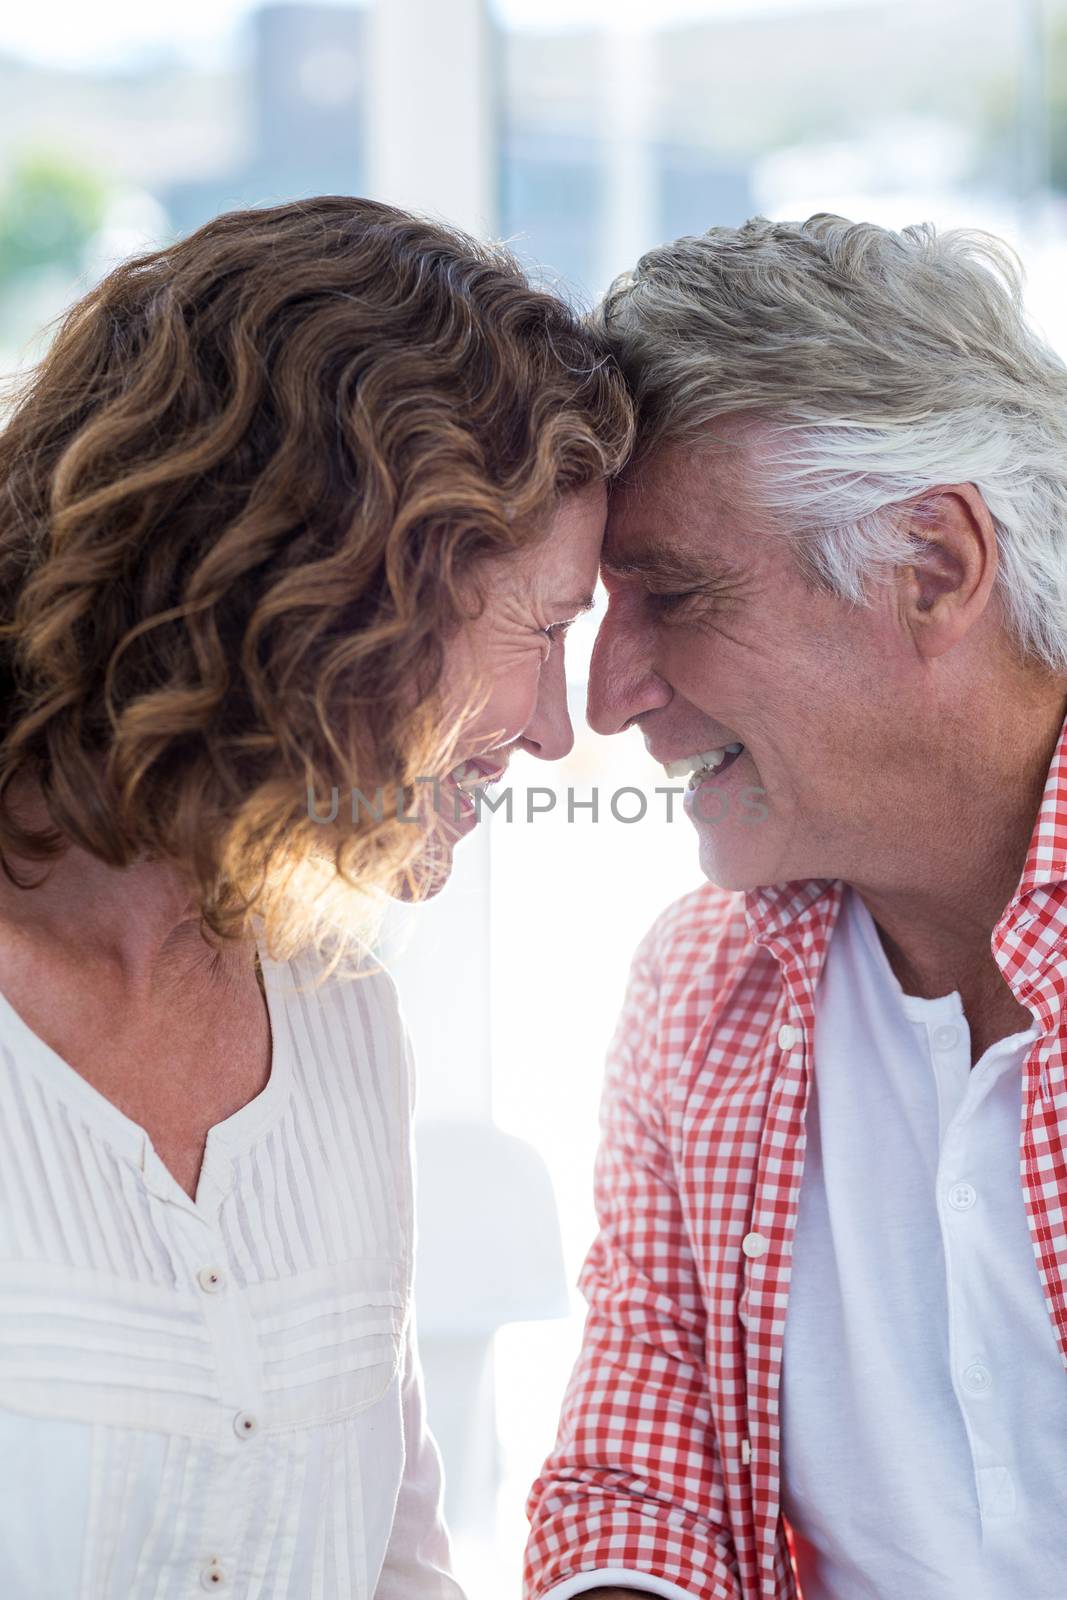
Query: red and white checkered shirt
x=667 y=1460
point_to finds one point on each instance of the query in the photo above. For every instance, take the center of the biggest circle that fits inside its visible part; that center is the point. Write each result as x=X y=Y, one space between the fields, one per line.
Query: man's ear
x=945 y=588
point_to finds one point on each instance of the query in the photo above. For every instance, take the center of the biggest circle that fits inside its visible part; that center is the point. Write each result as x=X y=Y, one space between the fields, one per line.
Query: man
x=828 y=1300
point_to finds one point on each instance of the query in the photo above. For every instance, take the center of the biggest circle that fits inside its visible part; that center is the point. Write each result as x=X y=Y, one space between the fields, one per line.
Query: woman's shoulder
x=342 y=1047
x=345 y=1018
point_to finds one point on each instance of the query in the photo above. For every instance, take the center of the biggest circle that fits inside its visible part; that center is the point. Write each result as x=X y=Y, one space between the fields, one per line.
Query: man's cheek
x=754 y=806
x=714 y=805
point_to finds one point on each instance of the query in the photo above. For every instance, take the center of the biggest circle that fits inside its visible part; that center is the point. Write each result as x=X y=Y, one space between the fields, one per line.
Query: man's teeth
x=707 y=762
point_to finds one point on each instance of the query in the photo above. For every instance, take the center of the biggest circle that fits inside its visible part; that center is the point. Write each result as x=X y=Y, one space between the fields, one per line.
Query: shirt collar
x=1030 y=938
x=1046 y=857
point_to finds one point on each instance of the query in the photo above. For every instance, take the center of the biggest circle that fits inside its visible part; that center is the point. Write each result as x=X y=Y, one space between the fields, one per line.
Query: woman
x=295 y=514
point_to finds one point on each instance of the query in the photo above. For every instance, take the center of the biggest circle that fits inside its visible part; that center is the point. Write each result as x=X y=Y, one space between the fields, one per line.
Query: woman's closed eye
x=549 y=637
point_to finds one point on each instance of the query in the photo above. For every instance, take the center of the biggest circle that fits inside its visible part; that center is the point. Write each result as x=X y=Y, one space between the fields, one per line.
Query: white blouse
x=218 y=1395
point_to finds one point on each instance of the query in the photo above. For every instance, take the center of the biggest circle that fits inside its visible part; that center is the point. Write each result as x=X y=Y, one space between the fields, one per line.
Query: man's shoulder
x=698 y=938
x=690 y=960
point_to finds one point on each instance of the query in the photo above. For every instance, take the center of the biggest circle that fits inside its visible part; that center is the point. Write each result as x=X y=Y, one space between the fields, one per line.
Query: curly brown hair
x=240 y=498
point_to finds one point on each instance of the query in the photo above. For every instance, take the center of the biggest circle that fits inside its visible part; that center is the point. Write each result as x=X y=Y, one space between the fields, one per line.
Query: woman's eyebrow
x=584 y=602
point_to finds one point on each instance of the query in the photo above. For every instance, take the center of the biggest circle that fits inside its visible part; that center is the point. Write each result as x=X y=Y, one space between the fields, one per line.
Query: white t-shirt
x=924 y=1400
x=220 y=1395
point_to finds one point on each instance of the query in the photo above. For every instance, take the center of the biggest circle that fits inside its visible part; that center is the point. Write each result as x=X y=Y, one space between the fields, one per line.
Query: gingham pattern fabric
x=667 y=1459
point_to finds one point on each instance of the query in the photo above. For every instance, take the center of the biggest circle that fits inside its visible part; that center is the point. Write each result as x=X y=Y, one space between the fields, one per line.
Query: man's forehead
x=649 y=540
x=679 y=509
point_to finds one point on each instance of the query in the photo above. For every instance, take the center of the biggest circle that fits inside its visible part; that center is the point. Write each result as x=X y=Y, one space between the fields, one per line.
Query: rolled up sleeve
x=631 y=1495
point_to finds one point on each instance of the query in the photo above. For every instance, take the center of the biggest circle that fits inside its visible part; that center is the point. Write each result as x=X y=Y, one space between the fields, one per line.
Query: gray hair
x=883 y=365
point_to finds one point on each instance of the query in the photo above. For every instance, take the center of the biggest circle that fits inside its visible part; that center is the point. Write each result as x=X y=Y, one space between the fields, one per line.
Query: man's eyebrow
x=664 y=563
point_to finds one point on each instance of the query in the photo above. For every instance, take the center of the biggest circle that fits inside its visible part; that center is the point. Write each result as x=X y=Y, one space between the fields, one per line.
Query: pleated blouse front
x=218 y=1395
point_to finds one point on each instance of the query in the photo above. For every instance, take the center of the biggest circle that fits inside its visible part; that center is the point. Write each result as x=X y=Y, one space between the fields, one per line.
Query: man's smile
x=698 y=767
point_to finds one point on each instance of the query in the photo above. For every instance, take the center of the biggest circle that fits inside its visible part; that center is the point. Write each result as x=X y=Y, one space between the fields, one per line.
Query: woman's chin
x=415 y=889
x=445 y=825
x=426 y=876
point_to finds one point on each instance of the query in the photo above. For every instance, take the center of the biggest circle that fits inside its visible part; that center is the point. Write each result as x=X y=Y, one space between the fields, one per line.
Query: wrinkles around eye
x=689 y=606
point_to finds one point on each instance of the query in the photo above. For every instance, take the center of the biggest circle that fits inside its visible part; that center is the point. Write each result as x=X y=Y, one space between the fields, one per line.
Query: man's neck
x=936 y=920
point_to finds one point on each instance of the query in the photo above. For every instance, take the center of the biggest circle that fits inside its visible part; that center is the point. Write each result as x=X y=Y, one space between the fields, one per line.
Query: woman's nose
x=622 y=682
x=549 y=734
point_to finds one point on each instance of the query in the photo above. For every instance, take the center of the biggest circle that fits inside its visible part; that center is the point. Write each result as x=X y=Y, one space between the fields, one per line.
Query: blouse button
x=212 y=1576
x=211 y=1279
x=788 y=1035
x=245 y=1425
x=754 y=1244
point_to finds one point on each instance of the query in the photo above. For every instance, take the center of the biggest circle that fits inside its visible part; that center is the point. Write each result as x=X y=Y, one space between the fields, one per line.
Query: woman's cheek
x=515 y=701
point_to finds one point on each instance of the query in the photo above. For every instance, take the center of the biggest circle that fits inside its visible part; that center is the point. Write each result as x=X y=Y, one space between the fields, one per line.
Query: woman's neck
x=137 y=927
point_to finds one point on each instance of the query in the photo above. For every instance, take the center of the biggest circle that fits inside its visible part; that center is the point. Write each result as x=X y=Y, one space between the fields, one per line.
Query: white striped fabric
x=220 y=1395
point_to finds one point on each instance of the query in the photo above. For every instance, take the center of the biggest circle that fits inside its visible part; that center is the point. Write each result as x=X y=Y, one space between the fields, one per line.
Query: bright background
x=583 y=131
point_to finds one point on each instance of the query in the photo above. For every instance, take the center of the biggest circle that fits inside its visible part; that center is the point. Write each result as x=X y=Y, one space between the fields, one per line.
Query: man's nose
x=622 y=682
x=549 y=734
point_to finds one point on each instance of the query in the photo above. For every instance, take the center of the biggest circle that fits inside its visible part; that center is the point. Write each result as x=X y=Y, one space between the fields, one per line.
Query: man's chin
x=733 y=870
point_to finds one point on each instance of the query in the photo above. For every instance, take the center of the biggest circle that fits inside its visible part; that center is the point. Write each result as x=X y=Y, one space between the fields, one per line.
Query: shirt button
x=977 y=1378
x=946 y=1037
x=754 y=1244
x=245 y=1425
x=961 y=1196
x=211 y=1279
x=212 y=1576
x=788 y=1035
